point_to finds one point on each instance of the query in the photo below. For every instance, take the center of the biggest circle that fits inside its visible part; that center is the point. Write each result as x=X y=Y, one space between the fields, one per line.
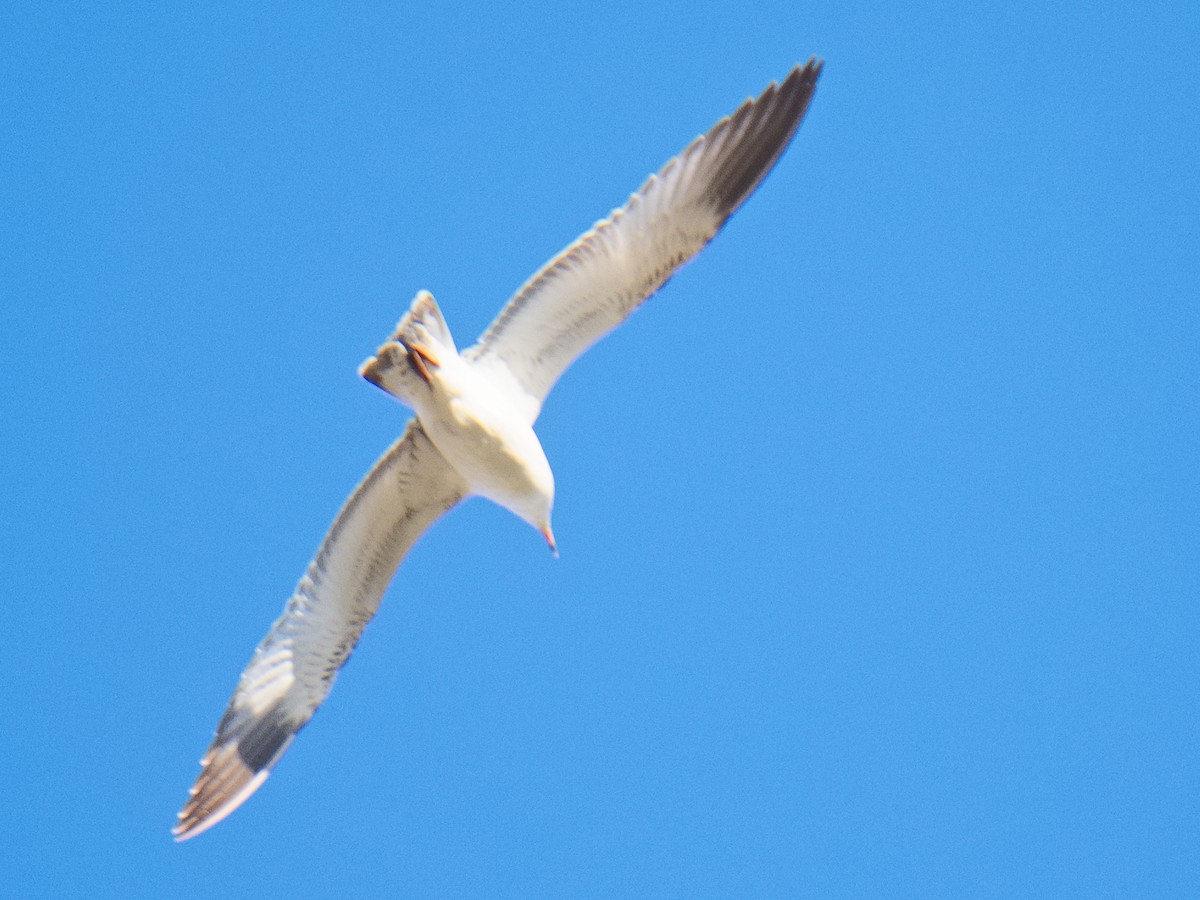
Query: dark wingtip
x=225 y=784
x=235 y=766
x=757 y=134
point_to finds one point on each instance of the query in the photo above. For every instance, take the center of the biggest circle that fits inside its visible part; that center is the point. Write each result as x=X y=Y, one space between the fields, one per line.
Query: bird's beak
x=549 y=536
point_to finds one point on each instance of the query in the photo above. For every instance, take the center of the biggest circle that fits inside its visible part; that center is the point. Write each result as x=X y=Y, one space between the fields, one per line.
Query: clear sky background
x=878 y=525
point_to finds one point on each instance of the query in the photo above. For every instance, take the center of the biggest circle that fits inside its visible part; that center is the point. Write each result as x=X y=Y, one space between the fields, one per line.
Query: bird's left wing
x=596 y=282
x=292 y=670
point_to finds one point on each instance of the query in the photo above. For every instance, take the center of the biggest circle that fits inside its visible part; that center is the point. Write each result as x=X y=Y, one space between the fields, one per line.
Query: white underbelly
x=486 y=440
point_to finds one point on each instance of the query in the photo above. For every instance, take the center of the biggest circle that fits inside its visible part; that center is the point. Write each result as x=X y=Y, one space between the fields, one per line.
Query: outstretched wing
x=596 y=282
x=295 y=665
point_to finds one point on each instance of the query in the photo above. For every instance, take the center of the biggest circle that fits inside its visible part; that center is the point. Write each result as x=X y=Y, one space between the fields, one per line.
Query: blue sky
x=878 y=525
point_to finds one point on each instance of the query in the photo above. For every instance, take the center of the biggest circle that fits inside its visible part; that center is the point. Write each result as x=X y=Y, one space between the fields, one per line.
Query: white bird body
x=473 y=431
x=480 y=420
x=499 y=455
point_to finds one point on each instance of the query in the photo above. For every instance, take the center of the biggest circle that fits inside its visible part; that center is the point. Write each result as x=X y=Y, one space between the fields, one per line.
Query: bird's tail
x=404 y=364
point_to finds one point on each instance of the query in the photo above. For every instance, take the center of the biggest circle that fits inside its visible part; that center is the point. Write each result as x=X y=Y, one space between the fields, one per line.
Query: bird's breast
x=488 y=440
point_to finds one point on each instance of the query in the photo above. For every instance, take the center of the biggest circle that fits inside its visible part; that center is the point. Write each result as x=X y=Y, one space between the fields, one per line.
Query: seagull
x=472 y=433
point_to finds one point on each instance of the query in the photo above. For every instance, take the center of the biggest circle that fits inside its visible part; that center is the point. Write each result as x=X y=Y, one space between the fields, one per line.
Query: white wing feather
x=596 y=282
x=292 y=670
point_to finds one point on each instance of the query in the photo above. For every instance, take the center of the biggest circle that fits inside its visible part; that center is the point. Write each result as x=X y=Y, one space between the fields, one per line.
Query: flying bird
x=473 y=429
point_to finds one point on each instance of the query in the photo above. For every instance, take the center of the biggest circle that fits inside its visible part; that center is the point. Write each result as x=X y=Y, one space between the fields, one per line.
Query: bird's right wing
x=292 y=670
x=595 y=283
